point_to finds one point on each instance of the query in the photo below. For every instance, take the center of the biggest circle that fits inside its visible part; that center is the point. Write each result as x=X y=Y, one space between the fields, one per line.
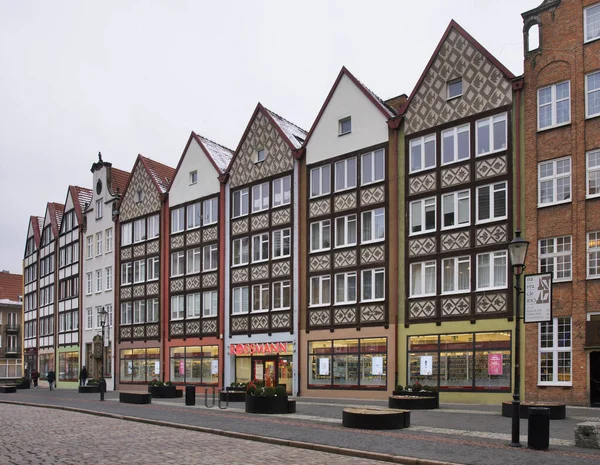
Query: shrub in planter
x=261 y=399
x=162 y=389
x=22 y=383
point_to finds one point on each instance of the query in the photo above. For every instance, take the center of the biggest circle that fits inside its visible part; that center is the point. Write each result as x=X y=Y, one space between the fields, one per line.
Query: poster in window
x=426 y=365
x=377 y=366
x=214 y=367
x=323 y=366
x=258 y=371
x=494 y=364
x=181 y=367
x=157 y=368
x=129 y=368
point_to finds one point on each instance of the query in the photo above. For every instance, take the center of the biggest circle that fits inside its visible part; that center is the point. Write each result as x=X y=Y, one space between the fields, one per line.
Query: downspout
x=164 y=282
x=222 y=266
x=116 y=289
x=299 y=263
x=518 y=88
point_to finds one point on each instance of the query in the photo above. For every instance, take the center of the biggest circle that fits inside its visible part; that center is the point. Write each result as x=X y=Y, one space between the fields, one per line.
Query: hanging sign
x=494 y=364
x=538 y=297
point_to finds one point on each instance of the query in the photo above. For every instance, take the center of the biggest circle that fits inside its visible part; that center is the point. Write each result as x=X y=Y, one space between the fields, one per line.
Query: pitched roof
x=81 y=198
x=56 y=211
x=36 y=223
x=161 y=174
x=293 y=133
x=11 y=287
x=118 y=180
x=220 y=155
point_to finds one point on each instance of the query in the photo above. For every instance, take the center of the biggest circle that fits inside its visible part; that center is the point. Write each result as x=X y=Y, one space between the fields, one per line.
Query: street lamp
x=103 y=314
x=517 y=249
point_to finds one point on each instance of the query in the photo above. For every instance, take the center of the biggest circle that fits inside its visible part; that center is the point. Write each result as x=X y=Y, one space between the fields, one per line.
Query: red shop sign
x=258 y=349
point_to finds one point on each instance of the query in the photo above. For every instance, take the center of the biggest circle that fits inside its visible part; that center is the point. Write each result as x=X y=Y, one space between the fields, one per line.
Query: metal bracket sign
x=538 y=297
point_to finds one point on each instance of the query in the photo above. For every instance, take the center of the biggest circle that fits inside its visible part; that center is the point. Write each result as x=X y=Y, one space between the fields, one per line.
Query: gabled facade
x=142 y=244
x=11 y=321
x=30 y=291
x=98 y=269
x=461 y=144
x=261 y=327
x=194 y=345
x=349 y=247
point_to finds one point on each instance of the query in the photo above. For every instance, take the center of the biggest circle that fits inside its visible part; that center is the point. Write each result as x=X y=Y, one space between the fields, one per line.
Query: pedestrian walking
x=51 y=378
x=83 y=374
x=35 y=375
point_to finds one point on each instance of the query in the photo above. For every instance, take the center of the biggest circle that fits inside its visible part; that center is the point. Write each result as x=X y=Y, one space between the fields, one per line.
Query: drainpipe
x=163 y=278
x=222 y=267
x=518 y=88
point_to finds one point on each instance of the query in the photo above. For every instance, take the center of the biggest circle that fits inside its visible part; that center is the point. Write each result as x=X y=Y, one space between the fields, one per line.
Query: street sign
x=538 y=297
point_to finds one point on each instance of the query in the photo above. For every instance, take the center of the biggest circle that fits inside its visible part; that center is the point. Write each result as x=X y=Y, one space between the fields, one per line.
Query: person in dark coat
x=51 y=378
x=83 y=374
x=35 y=375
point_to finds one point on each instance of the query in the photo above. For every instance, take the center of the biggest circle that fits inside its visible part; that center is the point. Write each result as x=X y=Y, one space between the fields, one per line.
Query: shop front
x=194 y=365
x=68 y=367
x=139 y=366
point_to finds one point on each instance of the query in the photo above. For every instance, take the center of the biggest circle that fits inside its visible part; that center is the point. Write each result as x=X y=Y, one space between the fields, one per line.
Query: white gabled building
x=30 y=292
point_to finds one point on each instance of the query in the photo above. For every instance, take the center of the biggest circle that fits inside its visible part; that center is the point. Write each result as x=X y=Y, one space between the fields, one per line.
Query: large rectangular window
x=555 y=257
x=422 y=153
x=282 y=191
x=554 y=105
x=241 y=254
x=139 y=230
x=422 y=216
x=139 y=365
x=177 y=307
x=456 y=275
x=345 y=174
x=210 y=257
x=554 y=181
x=68 y=366
x=491 y=270
x=491 y=134
x=592 y=95
x=491 y=202
x=593 y=173
x=209 y=306
x=194 y=218
x=240 y=300
x=345 y=231
x=210 y=211
x=126 y=313
x=373 y=285
x=422 y=279
x=177 y=264
x=593 y=254
x=177 y=220
x=195 y=365
x=281 y=295
x=240 y=203
x=320 y=290
x=153 y=226
x=554 y=365
x=260 y=247
x=260 y=297
x=320 y=236
x=320 y=181
x=591 y=23
x=345 y=288
x=260 y=197
x=456 y=209
x=373 y=167
x=192 y=309
x=193 y=260
x=373 y=225
x=456 y=145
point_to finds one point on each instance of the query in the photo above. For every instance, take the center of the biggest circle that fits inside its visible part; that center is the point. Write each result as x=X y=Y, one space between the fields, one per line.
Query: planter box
x=269 y=405
x=164 y=392
x=24 y=385
x=233 y=394
x=413 y=402
x=557 y=410
x=135 y=397
x=436 y=395
x=89 y=389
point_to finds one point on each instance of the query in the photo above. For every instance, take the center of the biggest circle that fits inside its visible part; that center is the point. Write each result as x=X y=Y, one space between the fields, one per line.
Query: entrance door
x=595 y=379
x=264 y=368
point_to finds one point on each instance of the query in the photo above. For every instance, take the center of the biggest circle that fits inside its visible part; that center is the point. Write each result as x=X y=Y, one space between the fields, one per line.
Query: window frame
x=126 y=272
x=554 y=178
x=553 y=102
x=376 y=156
x=456 y=198
x=456 y=262
x=555 y=349
x=240 y=240
x=261 y=188
x=421 y=142
x=283 y=234
x=109 y=240
x=139 y=271
x=193 y=211
x=492 y=201
x=375 y=214
x=425 y=202
x=319 y=280
x=242 y=198
x=456 y=130
x=589 y=92
x=279 y=188
x=346 y=220
x=212 y=207
x=193 y=260
x=491 y=120
x=593 y=253
x=347 y=276
x=423 y=266
x=152 y=264
x=589 y=170
x=263 y=240
x=261 y=289
x=555 y=256
x=153 y=227
x=178 y=259
x=126 y=234
x=177 y=220
x=213 y=307
x=320 y=170
x=193 y=306
x=585 y=24
x=322 y=226
x=345 y=175
x=177 y=307
x=374 y=272
x=341 y=123
x=449 y=85
x=492 y=277
x=139 y=230
x=282 y=285
x=240 y=290
x=193 y=177
x=213 y=257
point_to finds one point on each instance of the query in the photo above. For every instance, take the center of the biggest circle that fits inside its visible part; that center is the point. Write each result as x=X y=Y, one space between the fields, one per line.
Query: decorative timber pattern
x=140 y=181
x=345 y=259
x=344 y=316
x=239 y=227
x=455 y=175
x=239 y=324
x=261 y=134
x=492 y=235
x=239 y=275
x=372 y=254
x=177 y=285
x=455 y=241
x=490 y=167
x=126 y=253
x=260 y=272
x=125 y=332
x=319 y=262
x=456 y=306
x=192 y=327
x=320 y=317
x=177 y=241
x=126 y=293
x=176 y=328
x=259 y=322
x=281 y=216
x=192 y=282
x=209 y=234
x=152 y=289
x=210 y=280
x=320 y=207
x=344 y=202
x=152 y=247
x=280 y=268
x=423 y=183
x=139 y=250
x=138 y=291
x=484 y=86
x=372 y=195
x=422 y=309
x=281 y=320
x=209 y=326
x=372 y=313
x=260 y=222
x=421 y=246
x=193 y=237
x=151 y=331
x=491 y=303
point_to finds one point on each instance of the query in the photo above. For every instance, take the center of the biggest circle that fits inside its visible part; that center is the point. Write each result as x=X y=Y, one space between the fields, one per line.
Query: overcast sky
x=125 y=77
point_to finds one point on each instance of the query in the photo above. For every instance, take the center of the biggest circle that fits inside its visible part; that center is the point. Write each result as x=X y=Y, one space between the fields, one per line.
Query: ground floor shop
x=67 y=372
x=138 y=365
x=10 y=368
x=194 y=364
x=92 y=359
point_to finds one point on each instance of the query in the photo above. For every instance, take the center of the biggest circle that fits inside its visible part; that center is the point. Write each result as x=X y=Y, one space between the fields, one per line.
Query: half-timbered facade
x=262 y=240
x=459 y=125
x=30 y=291
x=196 y=267
x=141 y=251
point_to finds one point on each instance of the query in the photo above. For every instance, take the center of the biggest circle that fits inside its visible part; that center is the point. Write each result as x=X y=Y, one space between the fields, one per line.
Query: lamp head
x=517 y=250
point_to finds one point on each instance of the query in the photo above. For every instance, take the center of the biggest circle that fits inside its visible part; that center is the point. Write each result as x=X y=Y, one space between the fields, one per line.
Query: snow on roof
x=85 y=196
x=296 y=135
x=9 y=302
x=221 y=155
x=59 y=209
x=162 y=174
x=40 y=223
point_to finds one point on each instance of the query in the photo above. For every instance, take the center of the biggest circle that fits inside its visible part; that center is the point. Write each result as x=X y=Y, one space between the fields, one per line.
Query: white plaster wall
x=208 y=183
x=369 y=125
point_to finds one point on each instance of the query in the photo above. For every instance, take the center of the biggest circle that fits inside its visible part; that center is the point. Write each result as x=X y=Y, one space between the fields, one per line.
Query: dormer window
x=193 y=177
x=345 y=126
x=455 y=88
x=260 y=155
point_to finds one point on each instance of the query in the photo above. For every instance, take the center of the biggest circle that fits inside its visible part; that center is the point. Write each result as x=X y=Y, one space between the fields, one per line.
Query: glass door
x=264 y=369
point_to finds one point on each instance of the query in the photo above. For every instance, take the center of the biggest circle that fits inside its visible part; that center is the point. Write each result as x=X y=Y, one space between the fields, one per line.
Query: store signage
x=494 y=364
x=258 y=349
x=426 y=365
x=538 y=298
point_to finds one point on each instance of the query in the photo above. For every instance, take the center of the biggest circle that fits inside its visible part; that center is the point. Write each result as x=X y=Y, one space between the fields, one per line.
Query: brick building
x=11 y=320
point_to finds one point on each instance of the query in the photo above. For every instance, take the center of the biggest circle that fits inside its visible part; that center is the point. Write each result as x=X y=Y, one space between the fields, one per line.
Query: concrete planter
x=413 y=402
x=268 y=405
x=435 y=395
x=89 y=389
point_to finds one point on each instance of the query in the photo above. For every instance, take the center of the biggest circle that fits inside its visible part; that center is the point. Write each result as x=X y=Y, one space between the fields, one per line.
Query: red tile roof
x=161 y=174
x=118 y=180
x=11 y=286
x=81 y=198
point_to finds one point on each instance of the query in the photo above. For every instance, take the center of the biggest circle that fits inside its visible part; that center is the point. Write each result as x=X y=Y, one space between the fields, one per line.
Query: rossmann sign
x=258 y=349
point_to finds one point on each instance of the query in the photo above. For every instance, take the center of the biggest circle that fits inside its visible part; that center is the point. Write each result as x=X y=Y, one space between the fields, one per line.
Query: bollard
x=190 y=395
x=538 y=430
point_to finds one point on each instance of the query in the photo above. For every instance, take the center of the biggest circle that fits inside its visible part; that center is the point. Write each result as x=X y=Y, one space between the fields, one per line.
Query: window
x=153 y=226
x=211 y=211
x=281 y=243
x=345 y=126
x=422 y=216
x=177 y=307
x=260 y=197
x=320 y=236
x=320 y=290
x=193 y=260
x=593 y=173
x=177 y=224
x=373 y=225
x=139 y=230
x=345 y=288
x=593 y=255
x=240 y=251
x=109 y=278
x=209 y=308
x=554 y=105
x=373 y=285
x=422 y=153
x=491 y=270
x=281 y=295
x=90 y=246
x=456 y=144
x=240 y=300
x=89 y=284
x=210 y=257
x=109 y=317
x=373 y=167
x=554 y=181
x=139 y=196
x=139 y=311
x=109 y=240
x=152 y=310
x=260 y=297
x=320 y=181
x=193 y=216
x=422 y=279
x=456 y=209
x=177 y=263
x=153 y=268
x=126 y=313
x=99 y=243
x=491 y=134
x=89 y=321
x=491 y=202
x=454 y=89
x=126 y=234
x=139 y=271
x=591 y=24
x=260 y=247
x=260 y=155
x=555 y=257
x=193 y=305
x=345 y=231
x=592 y=94
x=456 y=274
x=282 y=191
x=98 y=280
x=193 y=177
x=555 y=352
x=126 y=273
x=240 y=203
x=98 y=209
x=345 y=174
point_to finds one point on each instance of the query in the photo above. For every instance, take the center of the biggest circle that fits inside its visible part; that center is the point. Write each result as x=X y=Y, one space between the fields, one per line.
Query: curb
x=249 y=437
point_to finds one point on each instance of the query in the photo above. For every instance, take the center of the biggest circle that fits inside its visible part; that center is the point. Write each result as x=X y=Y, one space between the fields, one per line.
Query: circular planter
x=412 y=402
x=375 y=418
x=269 y=405
x=557 y=410
x=164 y=392
x=24 y=385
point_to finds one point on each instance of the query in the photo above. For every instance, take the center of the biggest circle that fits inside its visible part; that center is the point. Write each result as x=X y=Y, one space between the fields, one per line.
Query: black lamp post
x=103 y=314
x=517 y=249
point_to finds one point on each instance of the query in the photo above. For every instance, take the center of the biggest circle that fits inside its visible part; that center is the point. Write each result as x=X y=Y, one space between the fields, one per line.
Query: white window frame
x=261 y=155
x=99 y=280
x=193 y=260
x=90 y=246
x=554 y=179
x=152 y=310
x=493 y=256
x=282 y=289
x=210 y=304
x=421 y=268
x=177 y=220
x=89 y=322
x=239 y=295
x=449 y=85
x=592 y=165
x=279 y=251
x=564 y=258
x=139 y=312
x=99 y=243
x=152 y=269
x=193 y=177
x=240 y=202
x=193 y=213
x=422 y=205
x=494 y=190
x=177 y=307
x=324 y=299
x=555 y=349
x=455 y=264
x=126 y=313
x=593 y=255
x=238 y=245
x=109 y=278
x=126 y=273
x=553 y=103
x=126 y=234
x=262 y=290
x=210 y=257
x=89 y=284
x=260 y=197
x=344 y=129
x=260 y=247
x=193 y=307
x=372 y=218
x=490 y=122
x=346 y=279
x=109 y=240
x=98 y=209
x=457 y=197
x=454 y=133
x=346 y=224
x=596 y=8
x=317 y=176
x=210 y=211
x=318 y=229
x=139 y=230
x=370 y=164
x=153 y=227
x=591 y=92
x=139 y=271
x=177 y=264
x=374 y=274
x=421 y=142
x=343 y=174
x=282 y=191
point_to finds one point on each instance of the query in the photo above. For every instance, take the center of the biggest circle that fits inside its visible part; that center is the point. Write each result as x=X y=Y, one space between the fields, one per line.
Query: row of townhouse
x=368 y=252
